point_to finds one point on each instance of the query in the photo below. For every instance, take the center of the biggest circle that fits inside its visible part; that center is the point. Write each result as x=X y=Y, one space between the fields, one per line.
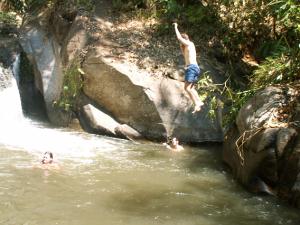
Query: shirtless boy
x=173 y=144
x=192 y=70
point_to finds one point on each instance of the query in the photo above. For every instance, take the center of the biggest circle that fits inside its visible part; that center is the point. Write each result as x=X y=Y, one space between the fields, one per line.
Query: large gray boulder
x=99 y=121
x=96 y=121
x=43 y=52
x=261 y=145
x=155 y=107
x=75 y=40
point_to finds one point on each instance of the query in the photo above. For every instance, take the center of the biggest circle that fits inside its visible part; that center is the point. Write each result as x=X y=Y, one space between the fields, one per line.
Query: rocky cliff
x=262 y=148
x=153 y=106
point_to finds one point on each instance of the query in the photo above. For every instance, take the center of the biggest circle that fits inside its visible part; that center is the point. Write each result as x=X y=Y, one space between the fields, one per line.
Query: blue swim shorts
x=192 y=73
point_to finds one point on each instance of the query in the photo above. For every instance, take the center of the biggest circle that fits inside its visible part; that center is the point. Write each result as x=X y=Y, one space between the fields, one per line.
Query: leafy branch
x=72 y=87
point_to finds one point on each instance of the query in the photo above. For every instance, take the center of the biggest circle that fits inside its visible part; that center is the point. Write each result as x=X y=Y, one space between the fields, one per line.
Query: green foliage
x=272 y=47
x=8 y=18
x=287 y=13
x=23 y=6
x=223 y=96
x=270 y=29
x=162 y=8
x=191 y=14
x=278 y=69
x=16 y=5
x=117 y=4
x=210 y=92
x=171 y=8
x=282 y=67
x=132 y=4
x=234 y=103
x=86 y=4
x=250 y=24
x=195 y=14
x=30 y=6
x=72 y=87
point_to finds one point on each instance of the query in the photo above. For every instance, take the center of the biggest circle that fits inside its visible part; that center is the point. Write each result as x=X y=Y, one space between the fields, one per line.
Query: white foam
x=18 y=132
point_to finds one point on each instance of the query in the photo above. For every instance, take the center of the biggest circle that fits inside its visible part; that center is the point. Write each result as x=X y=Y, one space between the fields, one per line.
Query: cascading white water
x=11 y=110
x=18 y=132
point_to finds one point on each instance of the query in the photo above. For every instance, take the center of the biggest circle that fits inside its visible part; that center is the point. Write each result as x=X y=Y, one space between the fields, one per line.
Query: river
x=105 y=181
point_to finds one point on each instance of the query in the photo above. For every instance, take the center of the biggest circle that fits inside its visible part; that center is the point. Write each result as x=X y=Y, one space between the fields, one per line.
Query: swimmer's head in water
x=47 y=158
x=175 y=141
x=172 y=141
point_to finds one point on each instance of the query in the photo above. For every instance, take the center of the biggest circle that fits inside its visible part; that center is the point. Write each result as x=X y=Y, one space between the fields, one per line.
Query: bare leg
x=187 y=88
x=190 y=89
x=199 y=103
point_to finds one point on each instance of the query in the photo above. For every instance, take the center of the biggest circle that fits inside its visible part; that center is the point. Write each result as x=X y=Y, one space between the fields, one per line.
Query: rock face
x=263 y=143
x=153 y=107
x=44 y=54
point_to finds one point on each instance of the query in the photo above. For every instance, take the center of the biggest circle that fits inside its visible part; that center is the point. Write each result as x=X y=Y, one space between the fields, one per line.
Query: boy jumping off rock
x=192 y=70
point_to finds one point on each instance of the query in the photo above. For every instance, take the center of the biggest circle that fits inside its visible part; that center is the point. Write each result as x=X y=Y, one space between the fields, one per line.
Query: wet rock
x=97 y=121
x=261 y=146
x=285 y=136
x=128 y=132
x=258 y=186
x=43 y=52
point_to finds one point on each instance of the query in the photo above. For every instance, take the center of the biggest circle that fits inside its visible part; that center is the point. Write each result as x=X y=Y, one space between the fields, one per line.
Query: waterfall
x=11 y=110
x=21 y=133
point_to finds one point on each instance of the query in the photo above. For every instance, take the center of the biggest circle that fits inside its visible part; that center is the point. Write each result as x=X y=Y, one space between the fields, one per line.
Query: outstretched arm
x=179 y=37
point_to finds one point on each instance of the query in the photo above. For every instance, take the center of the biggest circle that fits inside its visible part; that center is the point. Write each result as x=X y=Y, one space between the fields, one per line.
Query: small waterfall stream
x=11 y=112
x=110 y=181
x=18 y=131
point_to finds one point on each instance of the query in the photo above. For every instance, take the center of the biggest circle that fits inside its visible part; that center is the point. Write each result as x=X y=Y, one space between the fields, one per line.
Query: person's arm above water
x=179 y=37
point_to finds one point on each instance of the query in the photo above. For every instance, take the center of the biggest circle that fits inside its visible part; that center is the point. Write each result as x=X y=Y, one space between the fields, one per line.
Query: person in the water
x=173 y=144
x=47 y=162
